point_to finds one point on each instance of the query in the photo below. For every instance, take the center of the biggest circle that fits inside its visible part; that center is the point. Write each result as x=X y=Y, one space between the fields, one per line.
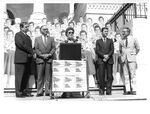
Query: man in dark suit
x=45 y=49
x=23 y=55
x=104 y=51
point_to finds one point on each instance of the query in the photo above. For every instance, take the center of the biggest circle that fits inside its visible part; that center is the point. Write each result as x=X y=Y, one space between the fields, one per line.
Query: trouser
x=22 y=72
x=129 y=71
x=115 y=68
x=101 y=76
x=44 y=71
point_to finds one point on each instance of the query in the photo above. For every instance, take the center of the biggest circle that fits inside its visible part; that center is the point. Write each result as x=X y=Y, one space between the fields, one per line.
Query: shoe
x=108 y=93
x=39 y=95
x=87 y=96
x=52 y=97
x=127 y=93
x=20 y=96
x=101 y=92
x=47 y=94
x=28 y=95
x=133 y=93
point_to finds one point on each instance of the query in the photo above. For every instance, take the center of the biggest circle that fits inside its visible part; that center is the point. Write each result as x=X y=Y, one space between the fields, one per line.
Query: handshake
x=106 y=57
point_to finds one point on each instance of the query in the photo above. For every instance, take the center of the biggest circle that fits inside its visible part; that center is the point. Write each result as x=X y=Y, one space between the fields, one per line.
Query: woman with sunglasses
x=70 y=35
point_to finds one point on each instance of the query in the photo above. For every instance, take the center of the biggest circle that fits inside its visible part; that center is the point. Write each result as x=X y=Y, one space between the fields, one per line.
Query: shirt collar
x=24 y=33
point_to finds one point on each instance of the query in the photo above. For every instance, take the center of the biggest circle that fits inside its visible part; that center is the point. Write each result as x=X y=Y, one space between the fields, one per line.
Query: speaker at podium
x=70 y=51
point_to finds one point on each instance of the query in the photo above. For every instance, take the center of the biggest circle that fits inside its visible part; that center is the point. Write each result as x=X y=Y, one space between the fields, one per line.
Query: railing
x=140 y=10
x=126 y=13
x=130 y=11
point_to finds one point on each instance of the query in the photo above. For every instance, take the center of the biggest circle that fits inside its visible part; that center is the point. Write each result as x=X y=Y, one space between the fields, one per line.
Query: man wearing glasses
x=129 y=48
x=45 y=49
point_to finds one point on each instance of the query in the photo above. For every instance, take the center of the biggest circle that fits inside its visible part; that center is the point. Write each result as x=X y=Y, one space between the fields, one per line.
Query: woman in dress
x=87 y=54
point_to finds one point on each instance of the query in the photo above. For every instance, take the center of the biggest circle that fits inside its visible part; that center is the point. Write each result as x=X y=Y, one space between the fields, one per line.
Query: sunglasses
x=70 y=32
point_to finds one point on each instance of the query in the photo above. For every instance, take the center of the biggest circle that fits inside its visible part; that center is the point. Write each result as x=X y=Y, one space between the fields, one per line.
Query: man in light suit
x=104 y=51
x=45 y=49
x=129 y=48
x=23 y=56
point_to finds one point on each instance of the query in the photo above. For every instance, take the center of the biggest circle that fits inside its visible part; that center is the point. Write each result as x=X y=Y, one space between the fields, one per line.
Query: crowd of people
x=102 y=48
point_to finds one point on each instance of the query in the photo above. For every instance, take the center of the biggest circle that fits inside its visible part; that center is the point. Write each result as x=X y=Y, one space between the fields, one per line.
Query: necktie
x=104 y=40
x=126 y=42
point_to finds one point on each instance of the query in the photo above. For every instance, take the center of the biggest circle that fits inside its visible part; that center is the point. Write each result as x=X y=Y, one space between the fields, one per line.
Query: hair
x=118 y=34
x=104 y=29
x=6 y=28
x=89 y=18
x=83 y=24
x=83 y=31
x=94 y=24
x=97 y=26
x=44 y=18
x=71 y=22
x=8 y=19
x=63 y=31
x=42 y=27
x=69 y=28
x=37 y=27
x=57 y=24
x=48 y=21
x=22 y=24
x=129 y=30
x=101 y=17
x=31 y=23
x=108 y=23
x=10 y=31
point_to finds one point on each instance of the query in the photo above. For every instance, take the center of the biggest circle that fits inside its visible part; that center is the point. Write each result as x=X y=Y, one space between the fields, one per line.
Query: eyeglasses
x=45 y=29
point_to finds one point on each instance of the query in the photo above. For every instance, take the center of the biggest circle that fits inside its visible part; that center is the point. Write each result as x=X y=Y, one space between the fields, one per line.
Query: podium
x=70 y=51
x=69 y=74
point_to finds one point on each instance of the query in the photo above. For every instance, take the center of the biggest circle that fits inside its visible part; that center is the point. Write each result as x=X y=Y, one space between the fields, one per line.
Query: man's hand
x=106 y=56
x=46 y=56
x=34 y=55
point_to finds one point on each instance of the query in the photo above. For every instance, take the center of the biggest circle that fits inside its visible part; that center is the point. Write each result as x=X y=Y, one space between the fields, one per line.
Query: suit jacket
x=41 y=48
x=103 y=49
x=23 y=50
x=130 y=51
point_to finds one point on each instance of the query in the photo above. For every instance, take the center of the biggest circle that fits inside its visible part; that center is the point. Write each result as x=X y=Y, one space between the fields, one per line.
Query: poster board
x=69 y=76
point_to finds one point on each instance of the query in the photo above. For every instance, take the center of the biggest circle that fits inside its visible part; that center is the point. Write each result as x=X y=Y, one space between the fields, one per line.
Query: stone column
x=38 y=12
x=71 y=13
